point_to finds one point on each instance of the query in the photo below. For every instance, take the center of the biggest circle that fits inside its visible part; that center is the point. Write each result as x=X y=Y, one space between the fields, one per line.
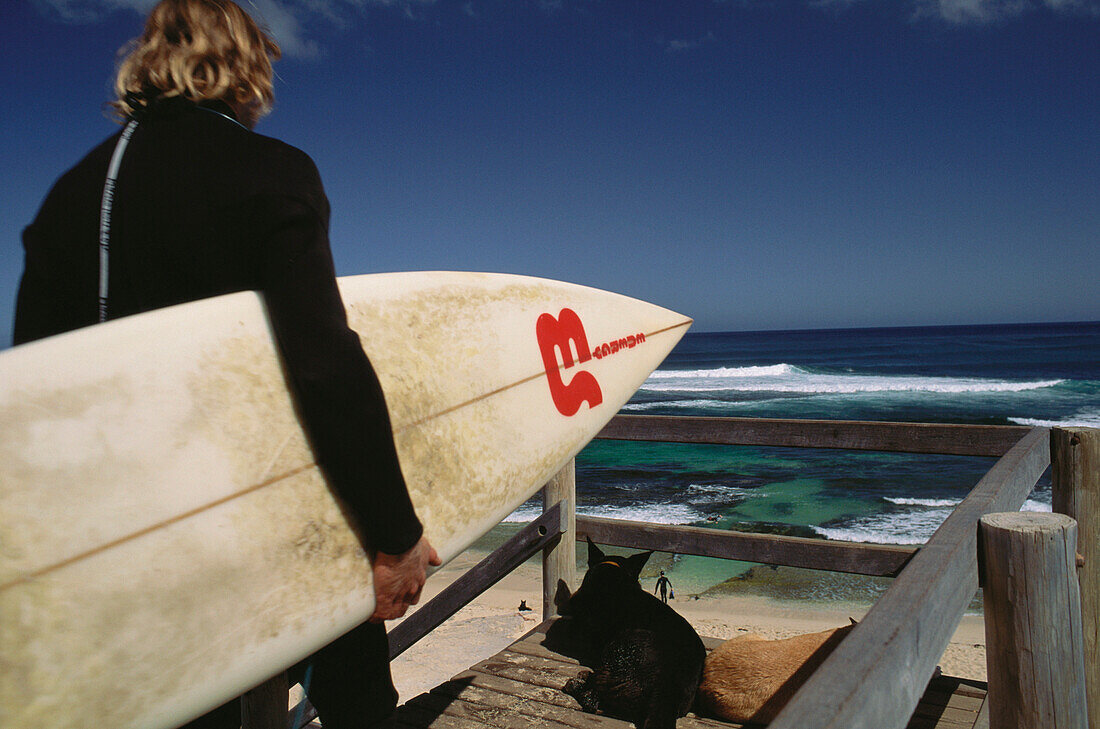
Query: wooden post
x=559 y=561
x=1075 y=472
x=1034 y=650
x=265 y=707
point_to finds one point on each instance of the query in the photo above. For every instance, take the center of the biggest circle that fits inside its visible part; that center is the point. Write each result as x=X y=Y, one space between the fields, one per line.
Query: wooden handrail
x=530 y=540
x=928 y=438
x=906 y=631
x=818 y=554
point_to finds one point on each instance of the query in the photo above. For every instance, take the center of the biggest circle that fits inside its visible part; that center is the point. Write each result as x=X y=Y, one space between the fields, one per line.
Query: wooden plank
x=1075 y=476
x=876 y=676
x=944 y=439
x=533 y=669
x=517 y=550
x=532 y=646
x=264 y=707
x=303 y=714
x=982 y=722
x=559 y=558
x=500 y=666
x=699 y=722
x=502 y=717
x=422 y=717
x=532 y=707
x=540 y=672
x=924 y=722
x=951 y=691
x=951 y=714
x=949 y=703
x=509 y=708
x=510 y=689
x=1033 y=620
x=548 y=661
x=937 y=700
x=819 y=554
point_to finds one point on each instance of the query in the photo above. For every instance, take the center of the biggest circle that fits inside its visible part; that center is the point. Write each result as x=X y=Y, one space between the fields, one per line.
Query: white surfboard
x=166 y=540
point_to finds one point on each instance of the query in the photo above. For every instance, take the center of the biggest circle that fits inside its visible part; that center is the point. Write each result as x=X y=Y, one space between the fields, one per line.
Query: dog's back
x=750 y=678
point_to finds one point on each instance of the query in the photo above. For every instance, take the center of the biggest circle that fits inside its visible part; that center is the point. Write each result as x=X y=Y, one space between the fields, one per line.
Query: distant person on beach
x=203 y=206
x=664 y=585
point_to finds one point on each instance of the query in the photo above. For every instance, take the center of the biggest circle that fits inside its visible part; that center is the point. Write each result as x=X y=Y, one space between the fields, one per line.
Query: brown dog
x=750 y=678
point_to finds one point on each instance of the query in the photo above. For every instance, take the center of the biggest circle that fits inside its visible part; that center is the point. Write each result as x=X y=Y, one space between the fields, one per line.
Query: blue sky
x=755 y=164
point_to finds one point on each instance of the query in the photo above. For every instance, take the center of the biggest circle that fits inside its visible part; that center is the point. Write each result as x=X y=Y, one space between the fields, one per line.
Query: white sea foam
x=911 y=527
x=777 y=370
x=923 y=502
x=1082 y=419
x=788 y=378
x=724 y=490
x=524 y=513
x=643 y=406
x=647 y=513
x=718 y=494
x=869 y=536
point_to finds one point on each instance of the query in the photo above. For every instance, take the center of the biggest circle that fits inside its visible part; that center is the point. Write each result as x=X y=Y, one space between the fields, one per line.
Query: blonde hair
x=201 y=50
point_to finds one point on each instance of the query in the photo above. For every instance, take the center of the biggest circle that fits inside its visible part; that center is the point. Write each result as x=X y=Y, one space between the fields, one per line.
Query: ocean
x=1029 y=374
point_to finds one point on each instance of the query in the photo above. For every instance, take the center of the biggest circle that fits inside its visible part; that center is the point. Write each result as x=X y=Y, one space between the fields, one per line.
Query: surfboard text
x=619 y=344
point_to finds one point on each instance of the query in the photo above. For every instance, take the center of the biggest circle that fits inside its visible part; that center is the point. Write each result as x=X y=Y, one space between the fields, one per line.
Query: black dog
x=648 y=660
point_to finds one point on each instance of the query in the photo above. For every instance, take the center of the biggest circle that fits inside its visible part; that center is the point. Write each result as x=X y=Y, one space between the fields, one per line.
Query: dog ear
x=595 y=556
x=635 y=564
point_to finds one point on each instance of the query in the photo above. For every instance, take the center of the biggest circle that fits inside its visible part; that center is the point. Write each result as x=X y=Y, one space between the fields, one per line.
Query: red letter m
x=556 y=335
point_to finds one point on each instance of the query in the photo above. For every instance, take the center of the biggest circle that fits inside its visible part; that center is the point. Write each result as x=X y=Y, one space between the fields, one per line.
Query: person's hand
x=399 y=578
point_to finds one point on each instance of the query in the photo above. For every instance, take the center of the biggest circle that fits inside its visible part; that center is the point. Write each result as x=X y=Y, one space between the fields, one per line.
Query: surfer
x=202 y=206
x=664 y=585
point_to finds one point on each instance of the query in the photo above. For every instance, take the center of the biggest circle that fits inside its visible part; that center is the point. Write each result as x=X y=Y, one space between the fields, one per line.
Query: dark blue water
x=1043 y=374
x=1015 y=374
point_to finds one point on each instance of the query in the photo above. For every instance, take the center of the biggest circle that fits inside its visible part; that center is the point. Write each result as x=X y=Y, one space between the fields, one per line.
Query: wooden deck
x=520 y=688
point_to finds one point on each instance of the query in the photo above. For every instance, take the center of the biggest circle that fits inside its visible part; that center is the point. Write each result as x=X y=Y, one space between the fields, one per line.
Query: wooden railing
x=876 y=676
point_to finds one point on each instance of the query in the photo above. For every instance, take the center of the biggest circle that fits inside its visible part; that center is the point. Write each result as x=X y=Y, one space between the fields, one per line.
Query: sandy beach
x=492 y=622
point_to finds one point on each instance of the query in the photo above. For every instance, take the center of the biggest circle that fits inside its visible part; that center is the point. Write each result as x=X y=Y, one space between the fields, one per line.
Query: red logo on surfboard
x=564 y=334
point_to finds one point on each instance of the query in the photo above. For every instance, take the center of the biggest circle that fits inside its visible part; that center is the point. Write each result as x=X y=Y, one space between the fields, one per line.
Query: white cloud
x=976 y=12
x=676 y=45
x=988 y=11
x=972 y=11
x=296 y=23
x=282 y=22
x=290 y=21
x=90 y=11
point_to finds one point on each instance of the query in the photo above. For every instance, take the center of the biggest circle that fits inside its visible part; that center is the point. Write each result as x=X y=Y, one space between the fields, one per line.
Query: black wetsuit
x=663 y=584
x=203 y=207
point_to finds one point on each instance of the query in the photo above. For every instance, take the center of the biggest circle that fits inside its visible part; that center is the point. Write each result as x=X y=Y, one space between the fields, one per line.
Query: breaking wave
x=787 y=378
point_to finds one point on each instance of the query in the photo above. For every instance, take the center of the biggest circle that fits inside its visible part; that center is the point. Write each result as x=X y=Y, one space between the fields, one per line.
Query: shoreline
x=492 y=622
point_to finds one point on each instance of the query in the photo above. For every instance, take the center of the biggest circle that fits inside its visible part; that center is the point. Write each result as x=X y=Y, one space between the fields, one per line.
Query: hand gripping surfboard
x=166 y=540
